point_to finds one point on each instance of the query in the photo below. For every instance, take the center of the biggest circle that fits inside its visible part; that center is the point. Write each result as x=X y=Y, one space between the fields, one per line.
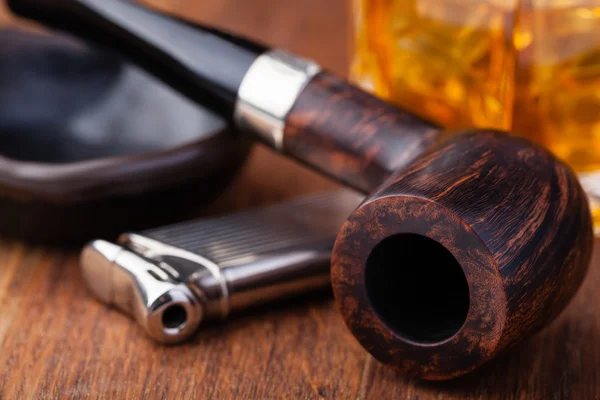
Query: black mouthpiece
x=203 y=63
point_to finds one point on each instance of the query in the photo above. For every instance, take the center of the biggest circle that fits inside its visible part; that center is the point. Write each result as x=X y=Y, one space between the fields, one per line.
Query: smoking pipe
x=467 y=243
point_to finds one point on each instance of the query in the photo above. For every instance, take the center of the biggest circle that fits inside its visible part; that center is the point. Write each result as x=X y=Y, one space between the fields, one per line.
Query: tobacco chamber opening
x=416 y=286
x=174 y=317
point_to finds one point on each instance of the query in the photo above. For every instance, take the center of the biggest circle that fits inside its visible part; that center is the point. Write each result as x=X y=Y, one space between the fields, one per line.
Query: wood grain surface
x=514 y=218
x=352 y=136
x=58 y=342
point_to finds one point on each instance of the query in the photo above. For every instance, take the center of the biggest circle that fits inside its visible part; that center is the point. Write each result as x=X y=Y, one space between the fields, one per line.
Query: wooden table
x=56 y=341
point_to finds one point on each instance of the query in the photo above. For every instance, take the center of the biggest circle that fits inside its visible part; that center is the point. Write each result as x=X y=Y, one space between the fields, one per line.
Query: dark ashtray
x=91 y=146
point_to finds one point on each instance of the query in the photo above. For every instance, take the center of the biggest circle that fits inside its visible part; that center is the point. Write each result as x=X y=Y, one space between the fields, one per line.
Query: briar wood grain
x=515 y=219
x=352 y=136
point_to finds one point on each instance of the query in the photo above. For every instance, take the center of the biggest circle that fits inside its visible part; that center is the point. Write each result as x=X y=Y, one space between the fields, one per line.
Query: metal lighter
x=170 y=279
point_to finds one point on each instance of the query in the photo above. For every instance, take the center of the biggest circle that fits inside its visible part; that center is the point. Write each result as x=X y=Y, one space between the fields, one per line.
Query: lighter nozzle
x=167 y=309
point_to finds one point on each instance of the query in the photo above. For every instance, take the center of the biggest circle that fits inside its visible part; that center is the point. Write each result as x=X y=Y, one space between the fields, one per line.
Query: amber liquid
x=529 y=66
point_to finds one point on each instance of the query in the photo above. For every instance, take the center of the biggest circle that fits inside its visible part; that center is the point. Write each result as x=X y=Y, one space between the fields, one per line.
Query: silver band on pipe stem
x=268 y=93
